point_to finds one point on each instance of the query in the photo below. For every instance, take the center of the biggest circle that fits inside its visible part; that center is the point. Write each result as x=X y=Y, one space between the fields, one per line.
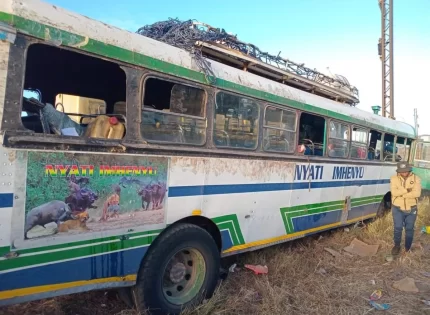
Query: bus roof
x=64 y=28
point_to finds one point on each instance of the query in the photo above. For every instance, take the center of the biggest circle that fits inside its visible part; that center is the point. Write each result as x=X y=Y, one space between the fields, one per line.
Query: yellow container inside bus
x=72 y=104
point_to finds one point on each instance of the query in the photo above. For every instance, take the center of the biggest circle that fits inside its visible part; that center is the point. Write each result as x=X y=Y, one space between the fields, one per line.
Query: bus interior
x=73 y=91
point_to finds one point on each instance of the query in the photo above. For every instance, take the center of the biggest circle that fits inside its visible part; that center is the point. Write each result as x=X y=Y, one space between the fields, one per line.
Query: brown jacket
x=400 y=197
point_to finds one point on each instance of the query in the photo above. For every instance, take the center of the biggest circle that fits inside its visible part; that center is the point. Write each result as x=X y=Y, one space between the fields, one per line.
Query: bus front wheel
x=180 y=271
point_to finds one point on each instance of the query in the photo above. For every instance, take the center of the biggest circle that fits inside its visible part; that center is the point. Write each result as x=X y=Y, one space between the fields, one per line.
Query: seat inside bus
x=311 y=134
x=75 y=87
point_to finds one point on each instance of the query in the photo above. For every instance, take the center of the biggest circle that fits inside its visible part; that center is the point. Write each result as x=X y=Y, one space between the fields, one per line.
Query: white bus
x=123 y=167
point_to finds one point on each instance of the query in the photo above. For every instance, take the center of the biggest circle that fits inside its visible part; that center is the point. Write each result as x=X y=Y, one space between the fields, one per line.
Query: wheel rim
x=183 y=276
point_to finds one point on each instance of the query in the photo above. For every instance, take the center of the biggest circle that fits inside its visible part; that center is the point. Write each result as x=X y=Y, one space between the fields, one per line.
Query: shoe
x=395 y=251
x=408 y=250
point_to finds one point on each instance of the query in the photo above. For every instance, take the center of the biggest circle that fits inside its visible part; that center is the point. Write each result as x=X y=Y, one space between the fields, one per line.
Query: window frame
x=410 y=157
x=404 y=145
x=259 y=129
x=328 y=137
x=376 y=144
x=50 y=138
x=393 y=160
x=173 y=80
x=324 y=144
x=420 y=162
x=365 y=144
x=295 y=130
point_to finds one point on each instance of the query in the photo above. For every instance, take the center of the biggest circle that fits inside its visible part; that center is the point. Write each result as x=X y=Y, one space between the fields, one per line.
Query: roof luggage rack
x=204 y=40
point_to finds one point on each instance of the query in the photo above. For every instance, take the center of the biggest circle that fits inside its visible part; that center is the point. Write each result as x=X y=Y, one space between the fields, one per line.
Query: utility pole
x=386 y=54
x=416 y=120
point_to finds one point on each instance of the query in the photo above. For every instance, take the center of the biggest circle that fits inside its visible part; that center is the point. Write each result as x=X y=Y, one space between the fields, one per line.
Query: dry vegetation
x=303 y=279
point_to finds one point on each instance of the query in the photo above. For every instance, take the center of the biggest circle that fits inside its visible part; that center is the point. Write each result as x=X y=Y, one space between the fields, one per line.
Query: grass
x=303 y=279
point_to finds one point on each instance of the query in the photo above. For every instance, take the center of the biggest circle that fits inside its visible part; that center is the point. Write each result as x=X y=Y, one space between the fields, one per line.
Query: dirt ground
x=303 y=278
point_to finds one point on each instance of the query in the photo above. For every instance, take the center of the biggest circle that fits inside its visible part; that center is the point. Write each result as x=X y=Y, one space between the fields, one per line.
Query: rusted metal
x=16 y=136
x=250 y=63
x=14 y=85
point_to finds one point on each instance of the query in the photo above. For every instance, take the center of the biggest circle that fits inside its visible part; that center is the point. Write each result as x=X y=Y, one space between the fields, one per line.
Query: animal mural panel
x=74 y=193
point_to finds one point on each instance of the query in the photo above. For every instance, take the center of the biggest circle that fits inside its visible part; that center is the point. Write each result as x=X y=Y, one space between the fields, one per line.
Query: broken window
x=389 y=149
x=359 y=143
x=173 y=112
x=73 y=94
x=400 y=149
x=374 y=149
x=30 y=93
x=236 y=121
x=311 y=134
x=408 y=150
x=279 y=130
x=338 y=142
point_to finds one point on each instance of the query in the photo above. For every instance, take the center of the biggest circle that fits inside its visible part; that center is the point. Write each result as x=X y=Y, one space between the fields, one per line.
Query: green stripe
x=289 y=213
x=231 y=223
x=292 y=212
x=368 y=197
x=83 y=243
x=49 y=254
x=229 y=226
x=99 y=48
x=4 y=250
x=72 y=254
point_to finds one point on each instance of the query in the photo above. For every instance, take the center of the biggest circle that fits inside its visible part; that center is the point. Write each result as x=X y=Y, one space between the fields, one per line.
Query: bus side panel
x=67 y=230
x=6 y=198
x=424 y=175
x=257 y=202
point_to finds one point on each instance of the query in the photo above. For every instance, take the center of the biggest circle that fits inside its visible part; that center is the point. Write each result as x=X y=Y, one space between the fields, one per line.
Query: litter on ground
x=379 y=307
x=258 y=269
x=406 y=285
x=361 y=249
x=376 y=295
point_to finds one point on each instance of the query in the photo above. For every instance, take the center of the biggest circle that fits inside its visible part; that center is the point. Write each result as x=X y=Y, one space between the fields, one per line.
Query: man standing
x=405 y=191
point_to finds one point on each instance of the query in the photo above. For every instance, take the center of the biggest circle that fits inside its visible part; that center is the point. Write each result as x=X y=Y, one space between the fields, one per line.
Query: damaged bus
x=130 y=163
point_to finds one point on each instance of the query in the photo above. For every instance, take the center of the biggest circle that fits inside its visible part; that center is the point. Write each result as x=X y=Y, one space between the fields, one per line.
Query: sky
x=341 y=35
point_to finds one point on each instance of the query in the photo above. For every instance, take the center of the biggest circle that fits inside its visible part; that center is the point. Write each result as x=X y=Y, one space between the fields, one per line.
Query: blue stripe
x=226 y=240
x=6 y=200
x=316 y=220
x=117 y=264
x=363 y=210
x=183 y=191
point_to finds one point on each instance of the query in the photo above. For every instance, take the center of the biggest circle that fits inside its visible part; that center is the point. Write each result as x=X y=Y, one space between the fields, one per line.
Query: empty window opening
x=279 y=130
x=408 y=150
x=173 y=112
x=374 y=148
x=236 y=121
x=338 y=142
x=79 y=95
x=401 y=149
x=311 y=134
x=359 y=143
x=389 y=149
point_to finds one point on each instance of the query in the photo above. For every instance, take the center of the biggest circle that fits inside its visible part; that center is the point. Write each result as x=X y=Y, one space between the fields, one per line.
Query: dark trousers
x=406 y=220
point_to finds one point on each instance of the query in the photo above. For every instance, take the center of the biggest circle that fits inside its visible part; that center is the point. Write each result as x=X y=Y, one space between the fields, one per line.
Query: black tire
x=148 y=292
x=383 y=210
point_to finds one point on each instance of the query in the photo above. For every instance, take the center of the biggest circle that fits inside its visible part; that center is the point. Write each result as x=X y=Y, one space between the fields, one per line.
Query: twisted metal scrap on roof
x=185 y=35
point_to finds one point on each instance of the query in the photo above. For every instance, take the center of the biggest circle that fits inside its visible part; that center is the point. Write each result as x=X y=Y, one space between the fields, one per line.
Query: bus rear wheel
x=180 y=271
